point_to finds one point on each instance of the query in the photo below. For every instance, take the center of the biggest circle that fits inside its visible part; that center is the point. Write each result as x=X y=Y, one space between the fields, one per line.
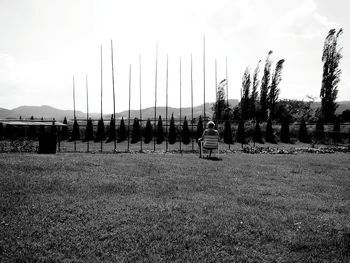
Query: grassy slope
x=174 y=208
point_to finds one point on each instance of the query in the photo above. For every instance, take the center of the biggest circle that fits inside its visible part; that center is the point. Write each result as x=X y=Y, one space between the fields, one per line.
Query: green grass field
x=174 y=208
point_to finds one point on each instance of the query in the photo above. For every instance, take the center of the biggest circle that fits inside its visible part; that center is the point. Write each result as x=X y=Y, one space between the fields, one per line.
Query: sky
x=44 y=43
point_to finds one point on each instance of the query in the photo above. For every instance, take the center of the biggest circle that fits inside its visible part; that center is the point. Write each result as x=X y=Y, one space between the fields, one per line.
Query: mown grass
x=174 y=208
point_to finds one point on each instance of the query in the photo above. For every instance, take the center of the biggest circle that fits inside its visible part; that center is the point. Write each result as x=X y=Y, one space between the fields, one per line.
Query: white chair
x=210 y=143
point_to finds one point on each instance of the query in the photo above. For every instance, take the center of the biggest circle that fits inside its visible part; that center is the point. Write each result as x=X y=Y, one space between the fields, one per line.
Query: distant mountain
x=48 y=112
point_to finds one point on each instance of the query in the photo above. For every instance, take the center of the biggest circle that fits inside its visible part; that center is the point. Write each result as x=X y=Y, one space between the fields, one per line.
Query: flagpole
x=140 y=104
x=229 y=145
x=155 y=100
x=87 y=109
x=166 y=106
x=75 y=143
x=180 y=109
x=114 y=137
x=216 y=95
x=129 y=107
x=204 y=77
x=192 y=102
x=101 y=97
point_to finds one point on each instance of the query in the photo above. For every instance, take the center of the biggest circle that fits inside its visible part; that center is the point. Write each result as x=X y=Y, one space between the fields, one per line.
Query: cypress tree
x=101 y=134
x=64 y=132
x=303 y=136
x=336 y=136
x=285 y=136
x=241 y=133
x=148 y=131
x=135 y=133
x=269 y=136
x=199 y=128
x=89 y=131
x=122 y=131
x=257 y=133
x=172 y=131
x=76 y=131
x=185 y=133
x=160 y=132
x=319 y=133
x=111 y=133
x=228 y=133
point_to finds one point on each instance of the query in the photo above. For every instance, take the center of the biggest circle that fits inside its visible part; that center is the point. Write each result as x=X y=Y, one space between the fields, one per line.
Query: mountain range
x=48 y=112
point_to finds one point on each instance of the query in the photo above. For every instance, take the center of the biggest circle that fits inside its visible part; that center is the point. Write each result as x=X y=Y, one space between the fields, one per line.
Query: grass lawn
x=74 y=207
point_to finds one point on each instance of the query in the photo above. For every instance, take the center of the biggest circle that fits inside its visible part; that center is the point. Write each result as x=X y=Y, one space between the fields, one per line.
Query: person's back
x=212 y=133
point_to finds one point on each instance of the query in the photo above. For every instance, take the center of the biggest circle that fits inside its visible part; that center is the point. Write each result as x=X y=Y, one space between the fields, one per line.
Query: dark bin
x=47 y=143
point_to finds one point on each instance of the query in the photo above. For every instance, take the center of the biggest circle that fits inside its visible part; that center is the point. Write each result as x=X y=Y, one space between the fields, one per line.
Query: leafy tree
x=111 y=133
x=246 y=83
x=100 y=134
x=254 y=94
x=148 y=132
x=135 y=133
x=172 y=131
x=269 y=136
x=199 y=128
x=285 y=135
x=228 y=133
x=257 y=133
x=89 y=131
x=220 y=107
x=75 y=131
x=274 y=90
x=185 y=133
x=64 y=132
x=319 y=133
x=303 y=136
x=160 y=132
x=294 y=110
x=346 y=115
x=336 y=136
x=331 y=74
x=264 y=88
x=122 y=131
x=241 y=133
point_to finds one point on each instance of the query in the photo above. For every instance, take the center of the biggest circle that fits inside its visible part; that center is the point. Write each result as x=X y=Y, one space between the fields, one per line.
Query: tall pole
x=140 y=103
x=204 y=77
x=155 y=99
x=75 y=143
x=115 y=142
x=129 y=107
x=229 y=145
x=87 y=110
x=180 y=107
x=166 y=107
x=216 y=95
x=101 y=97
x=192 y=102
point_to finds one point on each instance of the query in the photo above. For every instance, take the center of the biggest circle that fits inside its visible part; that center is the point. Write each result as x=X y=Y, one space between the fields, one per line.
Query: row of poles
x=155 y=95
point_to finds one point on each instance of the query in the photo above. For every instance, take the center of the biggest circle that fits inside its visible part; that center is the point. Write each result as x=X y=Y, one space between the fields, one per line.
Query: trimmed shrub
x=241 y=133
x=160 y=132
x=228 y=133
x=257 y=133
x=185 y=133
x=269 y=136
x=89 y=131
x=135 y=133
x=303 y=136
x=148 y=132
x=172 y=131
x=100 y=134
x=336 y=136
x=199 y=128
x=75 y=131
x=111 y=132
x=64 y=132
x=285 y=135
x=319 y=132
x=122 y=131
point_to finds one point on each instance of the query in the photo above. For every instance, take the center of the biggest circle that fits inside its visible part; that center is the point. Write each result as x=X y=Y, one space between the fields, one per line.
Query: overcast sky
x=45 y=42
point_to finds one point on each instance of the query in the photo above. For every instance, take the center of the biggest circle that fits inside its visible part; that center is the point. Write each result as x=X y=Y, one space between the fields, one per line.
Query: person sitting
x=210 y=131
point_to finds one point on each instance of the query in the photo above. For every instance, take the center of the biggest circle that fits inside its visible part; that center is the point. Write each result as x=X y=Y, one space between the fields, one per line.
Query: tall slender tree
x=303 y=136
x=264 y=88
x=269 y=134
x=172 y=131
x=185 y=132
x=199 y=128
x=148 y=132
x=228 y=133
x=254 y=94
x=111 y=133
x=122 y=131
x=89 y=131
x=331 y=74
x=76 y=131
x=220 y=106
x=246 y=83
x=274 y=90
x=160 y=132
x=64 y=132
x=100 y=134
x=135 y=133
